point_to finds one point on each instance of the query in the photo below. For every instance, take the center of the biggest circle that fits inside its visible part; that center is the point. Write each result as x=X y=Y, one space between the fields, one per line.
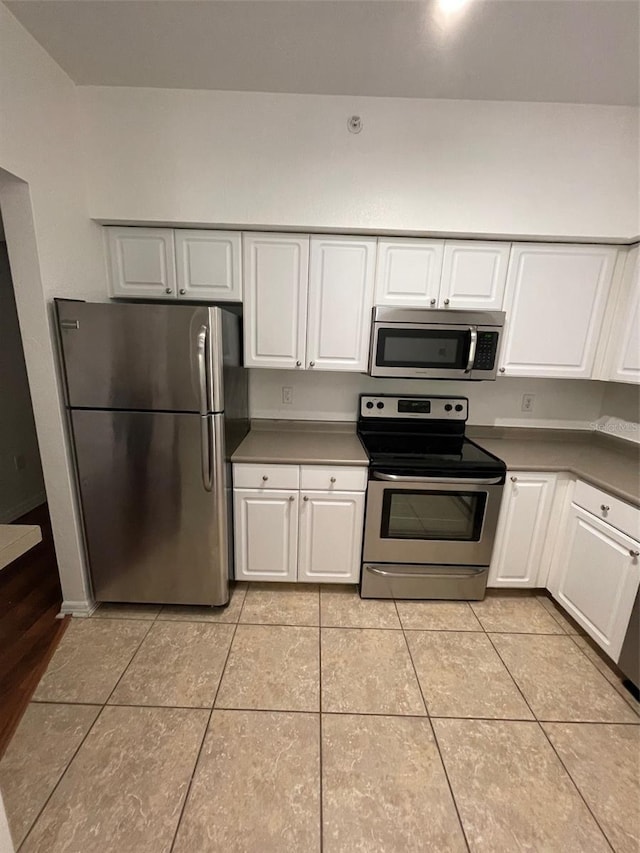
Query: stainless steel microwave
x=446 y=344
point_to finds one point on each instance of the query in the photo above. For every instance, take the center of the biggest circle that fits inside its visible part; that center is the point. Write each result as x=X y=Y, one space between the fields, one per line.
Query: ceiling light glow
x=451 y=7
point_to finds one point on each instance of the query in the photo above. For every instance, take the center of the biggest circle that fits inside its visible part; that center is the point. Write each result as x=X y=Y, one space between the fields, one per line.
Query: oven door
x=430 y=520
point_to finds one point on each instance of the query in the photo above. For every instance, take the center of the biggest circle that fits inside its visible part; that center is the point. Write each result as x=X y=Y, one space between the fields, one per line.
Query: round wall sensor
x=354 y=124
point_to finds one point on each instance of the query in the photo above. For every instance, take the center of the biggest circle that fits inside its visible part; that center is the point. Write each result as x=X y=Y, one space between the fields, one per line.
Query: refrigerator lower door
x=153 y=491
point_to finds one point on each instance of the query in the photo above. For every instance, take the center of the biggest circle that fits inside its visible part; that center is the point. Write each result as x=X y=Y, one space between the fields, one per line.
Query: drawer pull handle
x=291 y=497
x=633 y=553
x=305 y=498
x=333 y=479
x=604 y=508
x=264 y=478
x=513 y=479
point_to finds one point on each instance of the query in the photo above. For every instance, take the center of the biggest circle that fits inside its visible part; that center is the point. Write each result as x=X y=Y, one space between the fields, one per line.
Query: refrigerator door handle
x=205 y=425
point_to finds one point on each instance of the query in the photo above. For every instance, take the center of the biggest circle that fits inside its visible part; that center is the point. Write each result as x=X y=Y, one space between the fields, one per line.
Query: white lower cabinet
x=266 y=534
x=597 y=577
x=330 y=536
x=312 y=536
x=522 y=530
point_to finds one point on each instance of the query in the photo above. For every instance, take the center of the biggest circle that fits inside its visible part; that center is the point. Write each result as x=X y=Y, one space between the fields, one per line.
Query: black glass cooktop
x=429 y=455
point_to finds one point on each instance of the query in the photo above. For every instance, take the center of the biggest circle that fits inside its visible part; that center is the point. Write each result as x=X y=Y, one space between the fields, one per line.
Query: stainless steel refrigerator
x=157 y=403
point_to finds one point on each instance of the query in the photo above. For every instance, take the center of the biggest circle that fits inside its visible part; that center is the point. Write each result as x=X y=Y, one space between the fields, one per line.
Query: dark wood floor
x=30 y=599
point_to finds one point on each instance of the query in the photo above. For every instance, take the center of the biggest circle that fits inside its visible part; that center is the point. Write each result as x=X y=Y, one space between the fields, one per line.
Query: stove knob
x=459 y=408
x=369 y=405
x=380 y=405
x=448 y=407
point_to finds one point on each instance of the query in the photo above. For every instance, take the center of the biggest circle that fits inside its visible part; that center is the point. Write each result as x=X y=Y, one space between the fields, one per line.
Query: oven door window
x=424 y=514
x=445 y=348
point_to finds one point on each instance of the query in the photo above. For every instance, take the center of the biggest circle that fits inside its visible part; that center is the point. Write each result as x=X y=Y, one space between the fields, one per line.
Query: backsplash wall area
x=562 y=403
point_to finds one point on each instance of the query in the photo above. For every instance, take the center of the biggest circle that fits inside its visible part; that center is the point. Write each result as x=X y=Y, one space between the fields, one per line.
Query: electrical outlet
x=527 y=402
x=287 y=395
x=20 y=462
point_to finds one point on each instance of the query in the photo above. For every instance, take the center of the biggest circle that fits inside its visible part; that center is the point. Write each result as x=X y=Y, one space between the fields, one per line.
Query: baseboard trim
x=77 y=608
x=8 y=516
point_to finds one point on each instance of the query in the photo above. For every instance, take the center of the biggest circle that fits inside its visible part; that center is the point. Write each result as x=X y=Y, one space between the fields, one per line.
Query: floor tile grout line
x=512 y=676
x=568 y=637
x=204 y=737
x=628 y=699
x=320 y=718
x=631 y=724
x=131 y=659
x=575 y=785
x=60 y=778
x=433 y=734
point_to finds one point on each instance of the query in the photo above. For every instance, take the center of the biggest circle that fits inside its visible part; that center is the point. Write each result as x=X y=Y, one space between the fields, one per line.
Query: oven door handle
x=472 y=348
x=399 y=478
x=466 y=574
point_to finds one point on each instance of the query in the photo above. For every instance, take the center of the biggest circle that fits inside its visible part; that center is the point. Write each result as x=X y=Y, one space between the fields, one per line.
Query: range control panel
x=411 y=406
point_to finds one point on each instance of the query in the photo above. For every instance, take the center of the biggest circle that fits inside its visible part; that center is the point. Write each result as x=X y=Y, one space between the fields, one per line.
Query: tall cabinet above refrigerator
x=157 y=403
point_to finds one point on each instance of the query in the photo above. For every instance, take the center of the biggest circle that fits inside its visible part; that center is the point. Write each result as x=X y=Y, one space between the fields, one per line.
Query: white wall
x=54 y=250
x=20 y=490
x=465 y=167
x=561 y=403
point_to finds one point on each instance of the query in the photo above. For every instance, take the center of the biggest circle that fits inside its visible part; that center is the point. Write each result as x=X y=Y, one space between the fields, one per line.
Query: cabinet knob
x=513 y=479
x=502 y=370
x=312 y=364
x=633 y=553
x=265 y=478
x=333 y=479
x=182 y=291
x=291 y=498
x=433 y=301
x=604 y=508
x=168 y=290
x=446 y=301
x=305 y=498
x=298 y=363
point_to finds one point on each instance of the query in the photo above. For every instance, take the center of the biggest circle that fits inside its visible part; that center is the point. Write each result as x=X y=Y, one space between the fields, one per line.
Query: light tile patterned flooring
x=303 y=719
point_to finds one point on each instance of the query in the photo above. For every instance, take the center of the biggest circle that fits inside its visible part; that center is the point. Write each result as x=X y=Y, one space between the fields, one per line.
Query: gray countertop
x=609 y=463
x=302 y=442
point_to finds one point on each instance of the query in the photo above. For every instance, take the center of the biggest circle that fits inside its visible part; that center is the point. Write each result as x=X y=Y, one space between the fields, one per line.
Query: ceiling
x=575 y=51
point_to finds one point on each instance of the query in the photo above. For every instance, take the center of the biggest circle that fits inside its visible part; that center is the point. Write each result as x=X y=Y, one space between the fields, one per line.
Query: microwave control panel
x=486 y=351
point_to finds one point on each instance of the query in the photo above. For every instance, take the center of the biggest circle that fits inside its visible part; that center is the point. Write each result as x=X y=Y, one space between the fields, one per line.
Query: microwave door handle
x=472 y=348
x=475 y=481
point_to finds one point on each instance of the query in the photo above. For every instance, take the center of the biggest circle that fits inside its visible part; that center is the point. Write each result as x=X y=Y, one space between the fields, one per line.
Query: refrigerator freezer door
x=140 y=356
x=154 y=532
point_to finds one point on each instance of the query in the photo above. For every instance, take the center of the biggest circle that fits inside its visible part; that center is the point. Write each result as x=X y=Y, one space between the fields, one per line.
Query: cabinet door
x=331 y=525
x=141 y=262
x=266 y=534
x=522 y=529
x=555 y=300
x=341 y=279
x=626 y=347
x=408 y=272
x=598 y=579
x=208 y=265
x=474 y=275
x=276 y=276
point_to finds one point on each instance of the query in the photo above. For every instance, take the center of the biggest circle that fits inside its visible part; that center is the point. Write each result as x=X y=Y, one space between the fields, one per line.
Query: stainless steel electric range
x=433 y=499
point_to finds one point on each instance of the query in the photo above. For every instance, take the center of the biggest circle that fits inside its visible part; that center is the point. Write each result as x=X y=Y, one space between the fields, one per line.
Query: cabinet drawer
x=337 y=478
x=266 y=476
x=615 y=512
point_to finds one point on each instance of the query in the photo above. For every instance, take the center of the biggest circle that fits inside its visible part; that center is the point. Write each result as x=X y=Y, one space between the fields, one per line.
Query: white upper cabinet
x=625 y=342
x=276 y=273
x=208 y=265
x=341 y=281
x=408 y=272
x=330 y=536
x=141 y=262
x=474 y=275
x=522 y=530
x=555 y=299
